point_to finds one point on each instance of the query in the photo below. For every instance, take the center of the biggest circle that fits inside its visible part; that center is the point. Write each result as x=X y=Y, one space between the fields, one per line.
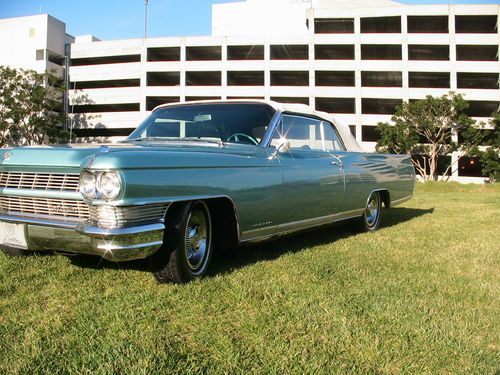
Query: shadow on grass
x=226 y=261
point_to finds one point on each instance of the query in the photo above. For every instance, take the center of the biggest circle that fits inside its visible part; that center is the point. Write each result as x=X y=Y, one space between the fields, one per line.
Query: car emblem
x=7 y=155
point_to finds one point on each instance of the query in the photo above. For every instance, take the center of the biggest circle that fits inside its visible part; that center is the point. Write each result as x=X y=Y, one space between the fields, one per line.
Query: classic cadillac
x=194 y=177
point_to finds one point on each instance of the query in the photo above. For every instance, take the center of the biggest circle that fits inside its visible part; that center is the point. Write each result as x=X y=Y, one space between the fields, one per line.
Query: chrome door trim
x=283 y=229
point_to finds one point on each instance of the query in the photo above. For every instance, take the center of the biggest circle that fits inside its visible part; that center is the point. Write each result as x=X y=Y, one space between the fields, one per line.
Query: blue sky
x=115 y=19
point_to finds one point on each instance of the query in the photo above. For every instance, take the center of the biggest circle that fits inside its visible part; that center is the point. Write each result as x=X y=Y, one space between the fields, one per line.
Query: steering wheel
x=237 y=136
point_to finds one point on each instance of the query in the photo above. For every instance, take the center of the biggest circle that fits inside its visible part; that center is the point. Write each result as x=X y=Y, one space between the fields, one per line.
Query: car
x=194 y=177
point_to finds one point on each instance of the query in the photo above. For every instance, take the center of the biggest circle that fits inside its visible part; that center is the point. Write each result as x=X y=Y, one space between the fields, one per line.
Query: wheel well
x=223 y=217
x=386 y=198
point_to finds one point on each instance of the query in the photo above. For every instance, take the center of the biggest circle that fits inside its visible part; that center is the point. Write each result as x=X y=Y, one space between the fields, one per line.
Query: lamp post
x=145 y=18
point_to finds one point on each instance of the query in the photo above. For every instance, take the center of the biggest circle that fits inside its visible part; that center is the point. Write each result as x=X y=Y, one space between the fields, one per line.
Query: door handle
x=337 y=163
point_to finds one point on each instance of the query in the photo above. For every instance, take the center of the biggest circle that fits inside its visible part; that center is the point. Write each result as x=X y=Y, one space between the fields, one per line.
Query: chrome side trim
x=40 y=222
x=283 y=229
x=401 y=200
x=100 y=232
x=111 y=247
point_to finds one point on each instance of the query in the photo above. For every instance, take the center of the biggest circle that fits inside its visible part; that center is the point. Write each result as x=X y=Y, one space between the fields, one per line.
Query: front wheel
x=187 y=245
x=371 y=218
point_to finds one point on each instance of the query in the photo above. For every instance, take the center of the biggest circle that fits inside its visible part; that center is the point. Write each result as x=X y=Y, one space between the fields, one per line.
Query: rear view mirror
x=202 y=118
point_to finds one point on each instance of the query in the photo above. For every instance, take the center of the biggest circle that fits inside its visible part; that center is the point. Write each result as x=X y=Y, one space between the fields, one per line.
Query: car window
x=306 y=133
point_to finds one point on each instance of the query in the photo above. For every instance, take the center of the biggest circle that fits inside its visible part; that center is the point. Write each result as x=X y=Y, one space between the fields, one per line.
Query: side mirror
x=283 y=145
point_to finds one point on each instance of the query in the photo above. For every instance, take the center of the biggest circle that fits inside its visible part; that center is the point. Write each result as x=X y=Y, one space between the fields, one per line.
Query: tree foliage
x=30 y=107
x=489 y=154
x=426 y=129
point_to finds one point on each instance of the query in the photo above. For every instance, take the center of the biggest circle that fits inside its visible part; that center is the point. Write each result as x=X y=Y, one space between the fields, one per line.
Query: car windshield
x=243 y=123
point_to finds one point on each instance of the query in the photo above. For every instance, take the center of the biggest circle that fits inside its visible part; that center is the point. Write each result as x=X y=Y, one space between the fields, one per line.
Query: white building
x=34 y=42
x=354 y=58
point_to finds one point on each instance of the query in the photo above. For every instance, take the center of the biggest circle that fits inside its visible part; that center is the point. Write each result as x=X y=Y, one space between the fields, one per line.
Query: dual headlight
x=105 y=185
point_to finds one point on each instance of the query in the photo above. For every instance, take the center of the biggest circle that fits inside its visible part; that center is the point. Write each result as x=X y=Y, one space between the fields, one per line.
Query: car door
x=313 y=178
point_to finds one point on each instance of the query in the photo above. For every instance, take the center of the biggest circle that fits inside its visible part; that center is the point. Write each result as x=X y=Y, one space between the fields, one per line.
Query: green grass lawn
x=422 y=295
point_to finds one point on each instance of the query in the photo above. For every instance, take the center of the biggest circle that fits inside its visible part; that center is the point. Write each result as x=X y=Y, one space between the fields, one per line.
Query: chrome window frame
x=277 y=120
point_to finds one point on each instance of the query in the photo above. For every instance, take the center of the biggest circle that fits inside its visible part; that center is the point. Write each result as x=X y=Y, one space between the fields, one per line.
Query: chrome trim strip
x=95 y=231
x=111 y=247
x=33 y=193
x=40 y=222
x=282 y=229
x=268 y=136
x=401 y=200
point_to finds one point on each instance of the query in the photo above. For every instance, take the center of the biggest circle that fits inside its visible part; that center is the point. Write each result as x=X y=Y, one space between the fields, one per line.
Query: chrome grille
x=58 y=209
x=122 y=216
x=40 y=181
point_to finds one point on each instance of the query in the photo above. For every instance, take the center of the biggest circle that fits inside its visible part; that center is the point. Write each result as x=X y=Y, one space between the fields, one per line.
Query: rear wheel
x=187 y=245
x=371 y=218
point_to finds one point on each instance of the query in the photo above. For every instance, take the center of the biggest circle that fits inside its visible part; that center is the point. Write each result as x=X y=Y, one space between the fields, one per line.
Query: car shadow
x=227 y=261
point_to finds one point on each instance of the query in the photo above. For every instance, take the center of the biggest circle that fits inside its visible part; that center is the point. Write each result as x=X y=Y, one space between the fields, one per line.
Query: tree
x=425 y=129
x=30 y=107
x=489 y=154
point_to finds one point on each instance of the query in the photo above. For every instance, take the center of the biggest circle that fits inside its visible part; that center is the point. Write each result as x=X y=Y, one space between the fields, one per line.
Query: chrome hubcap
x=372 y=210
x=196 y=240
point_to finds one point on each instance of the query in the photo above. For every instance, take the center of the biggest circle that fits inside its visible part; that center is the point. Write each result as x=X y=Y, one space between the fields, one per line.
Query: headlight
x=88 y=186
x=109 y=185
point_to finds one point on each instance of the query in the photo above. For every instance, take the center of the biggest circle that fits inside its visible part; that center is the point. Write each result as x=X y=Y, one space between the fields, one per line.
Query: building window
x=289 y=99
x=103 y=132
x=289 y=78
x=40 y=54
x=245 y=78
x=336 y=105
x=80 y=85
x=334 y=51
x=381 y=52
x=443 y=164
x=121 y=59
x=203 y=78
x=164 y=54
x=429 y=79
x=92 y=108
x=246 y=97
x=245 y=52
x=154 y=101
x=163 y=78
x=334 y=25
x=370 y=133
x=196 y=98
x=470 y=167
x=428 y=52
x=481 y=108
x=371 y=106
x=476 y=24
x=334 y=78
x=428 y=24
x=381 y=79
x=381 y=25
x=290 y=52
x=205 y=53
x=477 y=53
x=477 y=80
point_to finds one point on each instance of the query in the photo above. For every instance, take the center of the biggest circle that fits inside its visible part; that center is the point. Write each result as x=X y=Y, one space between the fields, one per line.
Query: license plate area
x=13 y=235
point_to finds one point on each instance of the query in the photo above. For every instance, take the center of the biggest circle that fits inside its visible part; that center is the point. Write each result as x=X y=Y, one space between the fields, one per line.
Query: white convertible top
x=349 y=140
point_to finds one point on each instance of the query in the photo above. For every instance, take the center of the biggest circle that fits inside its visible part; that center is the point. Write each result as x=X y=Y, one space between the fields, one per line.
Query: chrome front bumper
x=112 y=244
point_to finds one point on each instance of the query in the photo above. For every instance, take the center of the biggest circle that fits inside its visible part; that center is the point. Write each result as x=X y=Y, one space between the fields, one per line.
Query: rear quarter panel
x=366 y=172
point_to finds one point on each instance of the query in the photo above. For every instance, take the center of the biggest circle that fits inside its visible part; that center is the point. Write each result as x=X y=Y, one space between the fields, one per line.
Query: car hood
x=131 y=156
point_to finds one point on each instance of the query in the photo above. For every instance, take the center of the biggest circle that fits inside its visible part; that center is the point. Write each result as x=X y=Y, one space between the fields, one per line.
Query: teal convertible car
x=194 y=177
